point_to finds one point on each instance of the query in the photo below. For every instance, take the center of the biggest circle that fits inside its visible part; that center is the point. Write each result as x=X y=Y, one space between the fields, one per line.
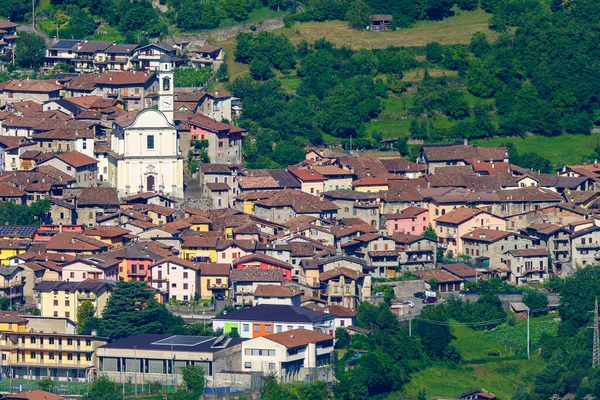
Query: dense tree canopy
x=133 y=309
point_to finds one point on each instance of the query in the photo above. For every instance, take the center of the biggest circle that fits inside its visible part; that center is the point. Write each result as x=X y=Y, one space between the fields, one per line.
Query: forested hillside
x=539 y=77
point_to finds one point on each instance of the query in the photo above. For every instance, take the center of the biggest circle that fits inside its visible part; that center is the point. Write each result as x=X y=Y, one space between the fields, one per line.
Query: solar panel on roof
x=27 y=230
x=179 y=340
x=64 y=44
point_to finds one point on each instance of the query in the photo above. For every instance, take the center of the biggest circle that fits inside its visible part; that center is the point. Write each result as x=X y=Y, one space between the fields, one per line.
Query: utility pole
x=410 y=327
x=596 y=350
x=528 y=355
x=33 y=14
x=136 y=366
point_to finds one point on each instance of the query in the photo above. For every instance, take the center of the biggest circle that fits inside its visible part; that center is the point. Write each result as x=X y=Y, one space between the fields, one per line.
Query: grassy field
x=561 y=150
x=499 y=375
x=256 y=17
x=452 y=30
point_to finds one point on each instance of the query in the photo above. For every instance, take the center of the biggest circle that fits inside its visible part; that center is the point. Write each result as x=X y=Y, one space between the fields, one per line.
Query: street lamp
x=136 y=366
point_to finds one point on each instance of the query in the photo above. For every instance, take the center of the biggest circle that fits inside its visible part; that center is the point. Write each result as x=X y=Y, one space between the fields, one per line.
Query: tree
x=286 y=154
x=430 y=233
x=536 y=301
x=358 y=15
x=223 y=73
x=194 y=379
x=84 y=313
x=260 y=69
x=432 y=330
x=434 y=53
x=401 y=146
x=133 y=309
x=468 y=5
x=104 y=389
x=30 y=50
x=46 y=384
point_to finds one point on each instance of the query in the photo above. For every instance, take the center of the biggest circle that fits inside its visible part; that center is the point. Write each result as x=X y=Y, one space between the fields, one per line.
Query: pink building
x=412 y=220
x=263 y=261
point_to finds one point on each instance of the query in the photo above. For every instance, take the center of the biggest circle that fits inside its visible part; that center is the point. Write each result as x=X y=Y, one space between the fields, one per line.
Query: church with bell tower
x=146 y=150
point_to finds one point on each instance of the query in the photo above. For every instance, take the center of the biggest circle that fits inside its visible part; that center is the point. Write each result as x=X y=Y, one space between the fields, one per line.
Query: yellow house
x=199 y=223
x=59 y=356
x=62 y=299
x=12 y=321
x=199 y=247
x=371 y=184
x=12 y=247
x=214 y=279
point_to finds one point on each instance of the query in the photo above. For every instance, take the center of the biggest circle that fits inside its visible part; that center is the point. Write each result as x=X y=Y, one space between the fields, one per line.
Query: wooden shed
x=381 y=22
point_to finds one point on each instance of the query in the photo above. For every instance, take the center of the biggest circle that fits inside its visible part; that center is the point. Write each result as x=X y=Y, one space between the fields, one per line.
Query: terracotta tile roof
x=460 y=270
x=36 y=395
x=298 y=337
x=84 y=101
x=370 y=181
x=122 y=78
x=342 y=271
x=256 y=275
x=529 y=253
x=250 y=258
x=178 y=261
x=257 y=182
x=274 y=291
x=301 y=221
x=439 y=275
x=215 y=169
x=7 y=191
x=32 y=85
x=209 y=48
x=76 y=159
x=64 y=134
x=400 y=165
x=155 y=208
x=338 y=311
x=212 y=125
x=308 y=175
x=6 y=24
x=302 y=203
x=69 y=241
x=218 y=94
x=218 y=187
x=27 y=106
x=363 y=166
x=106 y=231
x=55 y=173
x=486 y=235
x=261 y=194
x=436 y=153
x=214 y=269
x=409 y=212
x=459 y=215
x=199 y=241
x=533 y=194
x=331 y=170
x=102 y=196
x=405 y=238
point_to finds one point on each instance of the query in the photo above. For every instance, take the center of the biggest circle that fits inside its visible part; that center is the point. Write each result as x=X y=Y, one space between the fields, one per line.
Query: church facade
x=146 y=152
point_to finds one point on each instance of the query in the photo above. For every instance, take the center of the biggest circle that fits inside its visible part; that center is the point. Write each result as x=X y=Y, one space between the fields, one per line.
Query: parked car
x=429 y=293
x=430 y=300
x=219 y=297
x=410 y=304
x=420 y=295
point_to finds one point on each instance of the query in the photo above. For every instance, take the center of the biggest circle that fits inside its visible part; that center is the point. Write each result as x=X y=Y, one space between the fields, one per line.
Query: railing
x=5 y=285
x=87 y=296
x=112 y=93
x=588 y=246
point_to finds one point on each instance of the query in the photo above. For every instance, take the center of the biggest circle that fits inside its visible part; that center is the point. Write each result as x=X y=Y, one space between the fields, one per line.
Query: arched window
x=167 y=83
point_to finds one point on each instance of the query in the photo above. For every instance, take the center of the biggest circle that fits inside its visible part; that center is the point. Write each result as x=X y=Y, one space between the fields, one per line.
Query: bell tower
x=166 y=95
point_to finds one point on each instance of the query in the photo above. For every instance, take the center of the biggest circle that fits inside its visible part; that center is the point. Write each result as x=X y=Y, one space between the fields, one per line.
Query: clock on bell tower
x=166 y=95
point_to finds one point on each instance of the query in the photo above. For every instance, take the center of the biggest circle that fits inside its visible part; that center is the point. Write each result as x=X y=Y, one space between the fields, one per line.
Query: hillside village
x=277 y=261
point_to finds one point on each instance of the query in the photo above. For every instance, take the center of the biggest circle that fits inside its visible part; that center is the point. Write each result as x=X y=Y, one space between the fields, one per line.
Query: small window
x=256 y=328
x=246 y=328
x=248 y=365
x=150 y=142
x=271 y=366
x=268 y=328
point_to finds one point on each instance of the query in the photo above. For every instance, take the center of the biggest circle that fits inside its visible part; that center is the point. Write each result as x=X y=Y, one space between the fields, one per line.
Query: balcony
x=86 y=296
x=112 y=93
x=588 y=246
x=10 y=284
x=137 y=273
x=217 y=286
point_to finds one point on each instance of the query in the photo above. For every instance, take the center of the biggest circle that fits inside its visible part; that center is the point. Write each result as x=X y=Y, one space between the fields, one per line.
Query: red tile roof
x=308 y=175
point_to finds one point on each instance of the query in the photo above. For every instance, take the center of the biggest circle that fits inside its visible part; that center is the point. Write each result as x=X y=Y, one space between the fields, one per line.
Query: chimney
x=466 y=141
x=60 y=228
x=216 y=93
x=110 y=78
